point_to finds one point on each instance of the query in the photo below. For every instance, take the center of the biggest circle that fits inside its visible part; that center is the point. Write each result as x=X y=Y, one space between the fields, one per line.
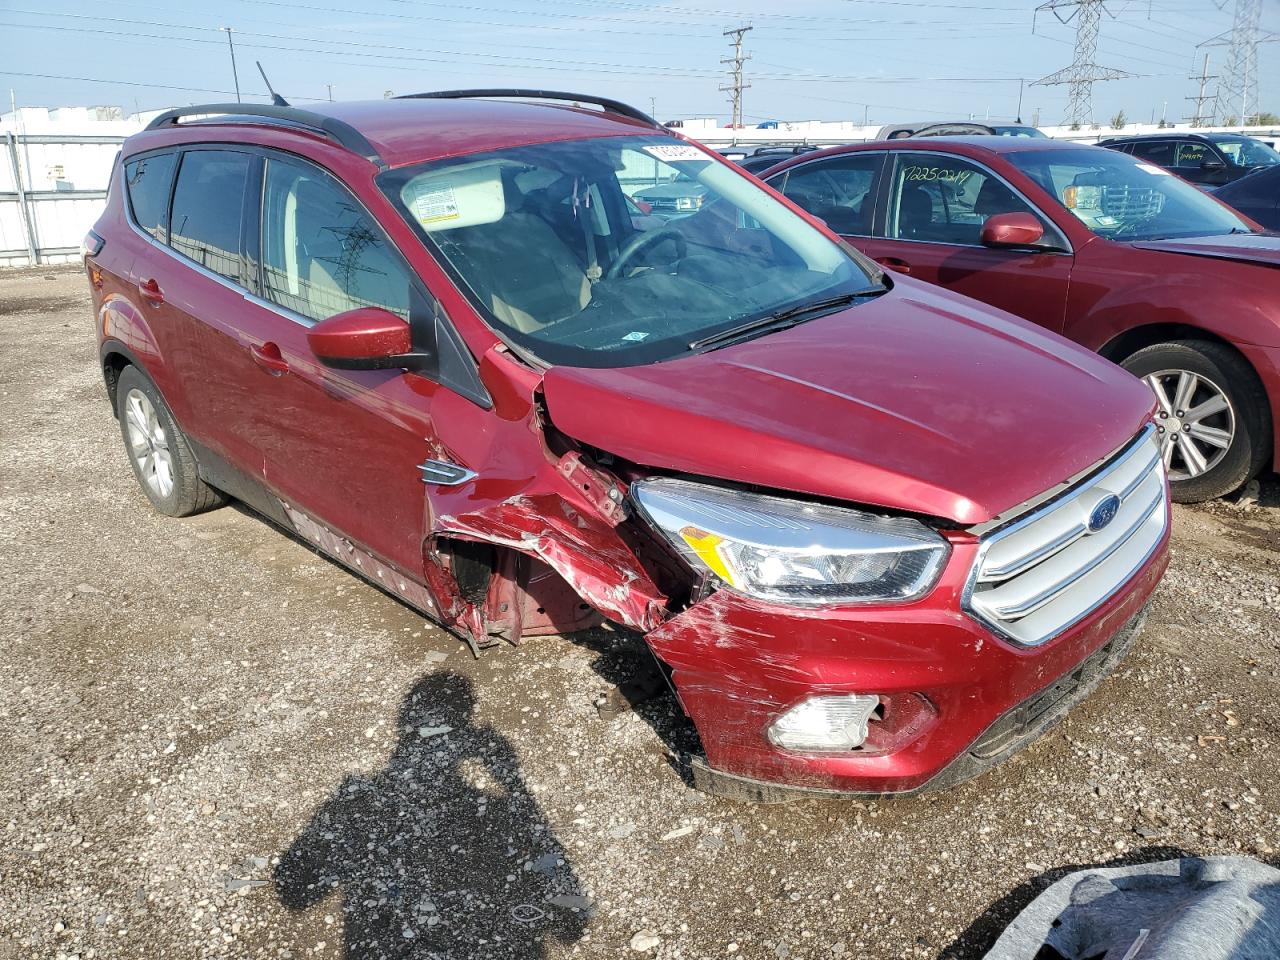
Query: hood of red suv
x=917 y=401
x=1247 y=247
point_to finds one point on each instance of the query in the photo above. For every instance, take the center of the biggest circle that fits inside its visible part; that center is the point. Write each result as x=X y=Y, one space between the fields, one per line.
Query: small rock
x=425 y=732
x=678 y=832
x=645 y=940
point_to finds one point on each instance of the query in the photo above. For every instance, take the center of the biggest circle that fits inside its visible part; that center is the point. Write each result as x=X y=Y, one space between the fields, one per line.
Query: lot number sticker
x=675 y=151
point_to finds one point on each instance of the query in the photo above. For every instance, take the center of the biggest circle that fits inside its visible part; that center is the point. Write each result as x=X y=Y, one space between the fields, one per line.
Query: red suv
x=1113 y=252
x=431 y=337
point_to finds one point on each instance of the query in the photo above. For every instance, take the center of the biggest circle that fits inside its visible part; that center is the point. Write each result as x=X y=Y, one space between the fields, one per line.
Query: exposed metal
x=1055 y=566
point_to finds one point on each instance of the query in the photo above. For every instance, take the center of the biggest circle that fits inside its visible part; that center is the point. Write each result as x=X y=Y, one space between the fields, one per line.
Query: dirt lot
x=215 y=743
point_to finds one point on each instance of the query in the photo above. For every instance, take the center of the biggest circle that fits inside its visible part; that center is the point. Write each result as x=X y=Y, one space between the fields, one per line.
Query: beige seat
x=522 y=269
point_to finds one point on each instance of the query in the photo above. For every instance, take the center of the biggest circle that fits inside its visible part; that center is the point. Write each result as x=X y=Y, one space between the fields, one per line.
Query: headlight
x=793 y=552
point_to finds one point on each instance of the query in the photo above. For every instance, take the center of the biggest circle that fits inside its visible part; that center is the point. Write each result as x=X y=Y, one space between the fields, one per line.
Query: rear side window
x=207 y=205
x=321 y=253
x=147 y=181
x=1159 y=152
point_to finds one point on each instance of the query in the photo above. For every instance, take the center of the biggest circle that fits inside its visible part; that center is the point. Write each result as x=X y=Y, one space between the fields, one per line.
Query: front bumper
x=737 y=664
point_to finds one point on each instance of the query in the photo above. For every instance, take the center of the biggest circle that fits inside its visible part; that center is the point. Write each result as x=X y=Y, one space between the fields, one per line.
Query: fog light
x=825 y=723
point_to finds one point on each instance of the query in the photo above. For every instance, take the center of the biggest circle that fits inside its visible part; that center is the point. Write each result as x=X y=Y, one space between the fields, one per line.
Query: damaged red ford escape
x=879 y=536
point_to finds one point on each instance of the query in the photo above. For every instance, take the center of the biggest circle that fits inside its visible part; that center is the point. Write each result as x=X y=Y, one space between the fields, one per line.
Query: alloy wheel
x=1195 y=421
x=148 y=443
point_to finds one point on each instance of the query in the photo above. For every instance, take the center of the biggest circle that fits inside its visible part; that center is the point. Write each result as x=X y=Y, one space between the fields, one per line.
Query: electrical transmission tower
x=1083 y=72
x=737 y=60
x=1205 y=103
x=1238 y=87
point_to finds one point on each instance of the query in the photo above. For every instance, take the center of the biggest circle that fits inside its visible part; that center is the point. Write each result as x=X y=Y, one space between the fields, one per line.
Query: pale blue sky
x=810 y=59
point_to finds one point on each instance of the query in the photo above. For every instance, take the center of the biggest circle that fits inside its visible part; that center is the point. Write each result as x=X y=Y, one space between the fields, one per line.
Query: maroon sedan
x=430 y=337
x=1109 y=251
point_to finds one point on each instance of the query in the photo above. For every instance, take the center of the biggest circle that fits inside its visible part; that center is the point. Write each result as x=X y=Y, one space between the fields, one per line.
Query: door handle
x=150 y=291
x=268 y=358
x=894 y=263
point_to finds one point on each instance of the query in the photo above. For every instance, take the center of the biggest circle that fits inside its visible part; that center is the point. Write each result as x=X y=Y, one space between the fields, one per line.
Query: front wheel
x=1212 y=416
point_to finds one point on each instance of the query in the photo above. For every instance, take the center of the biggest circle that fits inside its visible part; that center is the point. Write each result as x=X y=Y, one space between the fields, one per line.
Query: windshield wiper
x=784 y=318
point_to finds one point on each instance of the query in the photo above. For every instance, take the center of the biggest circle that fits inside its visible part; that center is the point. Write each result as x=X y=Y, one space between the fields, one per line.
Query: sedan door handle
x=268 y=358
x=150 y=291
x=894 y=263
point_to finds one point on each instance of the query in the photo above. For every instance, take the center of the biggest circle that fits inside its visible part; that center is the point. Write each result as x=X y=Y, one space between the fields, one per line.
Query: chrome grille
x=1131 y=203
x=1047 y=571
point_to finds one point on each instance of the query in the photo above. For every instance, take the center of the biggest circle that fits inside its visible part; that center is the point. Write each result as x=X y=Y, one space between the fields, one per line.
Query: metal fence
x=52 y=189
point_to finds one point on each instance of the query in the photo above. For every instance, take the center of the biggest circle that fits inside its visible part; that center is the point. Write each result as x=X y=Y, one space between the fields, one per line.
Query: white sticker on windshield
x=1152 y=168
x=636 y=335
x=675 y=151
x=436 y=204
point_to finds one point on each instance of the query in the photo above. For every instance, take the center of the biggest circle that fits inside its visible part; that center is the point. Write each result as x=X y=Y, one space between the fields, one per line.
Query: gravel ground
x=215 y=743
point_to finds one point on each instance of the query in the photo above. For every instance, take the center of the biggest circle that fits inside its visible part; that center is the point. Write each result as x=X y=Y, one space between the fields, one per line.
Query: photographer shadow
x=442 y=853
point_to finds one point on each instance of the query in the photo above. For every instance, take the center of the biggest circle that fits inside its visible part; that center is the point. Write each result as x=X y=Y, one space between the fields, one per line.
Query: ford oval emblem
x=1104 y=513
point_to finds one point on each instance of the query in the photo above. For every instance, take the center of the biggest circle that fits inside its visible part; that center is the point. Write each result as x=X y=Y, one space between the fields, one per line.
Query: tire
x=1230 y=441
x=158 y=452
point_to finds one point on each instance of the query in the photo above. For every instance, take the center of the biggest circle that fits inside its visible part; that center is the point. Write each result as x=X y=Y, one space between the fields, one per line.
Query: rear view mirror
x=367 y=338
x=1012 y=230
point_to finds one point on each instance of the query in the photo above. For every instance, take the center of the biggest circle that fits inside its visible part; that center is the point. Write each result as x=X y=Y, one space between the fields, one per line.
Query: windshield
x=1121 y=198
x=544 y=241
x=1247 y=152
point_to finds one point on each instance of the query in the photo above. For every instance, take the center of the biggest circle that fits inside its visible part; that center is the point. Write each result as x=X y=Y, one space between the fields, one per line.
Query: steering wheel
x=643 y=241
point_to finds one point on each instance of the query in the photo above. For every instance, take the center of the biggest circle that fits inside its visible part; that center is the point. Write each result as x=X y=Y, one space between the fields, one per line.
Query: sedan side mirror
x=1012 y=230
x=367 y=338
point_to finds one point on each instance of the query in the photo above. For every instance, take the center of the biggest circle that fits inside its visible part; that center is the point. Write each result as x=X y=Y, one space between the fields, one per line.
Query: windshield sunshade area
x=560 y=251
x=1121 y=198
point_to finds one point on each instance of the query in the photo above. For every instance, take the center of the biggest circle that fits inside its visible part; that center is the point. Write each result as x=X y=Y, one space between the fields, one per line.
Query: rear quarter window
x=147 y=186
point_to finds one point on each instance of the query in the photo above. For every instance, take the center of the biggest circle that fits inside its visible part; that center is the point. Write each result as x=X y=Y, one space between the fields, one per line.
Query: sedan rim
x=148 y=443
x=1195 y=421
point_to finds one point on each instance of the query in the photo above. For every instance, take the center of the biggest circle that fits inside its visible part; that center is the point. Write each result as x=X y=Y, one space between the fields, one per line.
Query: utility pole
x=737 y=60
x=1206 y=105
x=1083 y=72
x=234 y=74
x=1238 y=85
x=653 y=107
x=330 y=88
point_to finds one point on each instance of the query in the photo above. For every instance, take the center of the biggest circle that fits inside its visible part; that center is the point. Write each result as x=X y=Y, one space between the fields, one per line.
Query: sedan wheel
x=1195 y=421
x=1212 y=414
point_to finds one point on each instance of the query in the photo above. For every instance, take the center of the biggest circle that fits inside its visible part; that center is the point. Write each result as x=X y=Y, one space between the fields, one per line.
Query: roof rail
x=336 y=130
x=610 y=106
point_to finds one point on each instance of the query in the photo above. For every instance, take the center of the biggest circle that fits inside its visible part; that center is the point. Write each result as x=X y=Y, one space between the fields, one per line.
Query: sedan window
x=841 y=191
x=941 y=199
x=1155 y=151
x=1123 y=198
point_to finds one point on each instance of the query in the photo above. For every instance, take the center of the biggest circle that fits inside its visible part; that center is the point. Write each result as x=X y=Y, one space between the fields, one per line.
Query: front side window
x=321 y=253
x=1192 y=155
x=941 y=199
x=147 y=181
x=1247 y=152
x=208 y=201
x=1124 y=198
x=544 y=241
x=841 y=191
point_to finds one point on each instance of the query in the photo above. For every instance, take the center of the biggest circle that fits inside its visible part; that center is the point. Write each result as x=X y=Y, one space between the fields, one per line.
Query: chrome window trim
x=1066 y=251
x=1085 y=483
